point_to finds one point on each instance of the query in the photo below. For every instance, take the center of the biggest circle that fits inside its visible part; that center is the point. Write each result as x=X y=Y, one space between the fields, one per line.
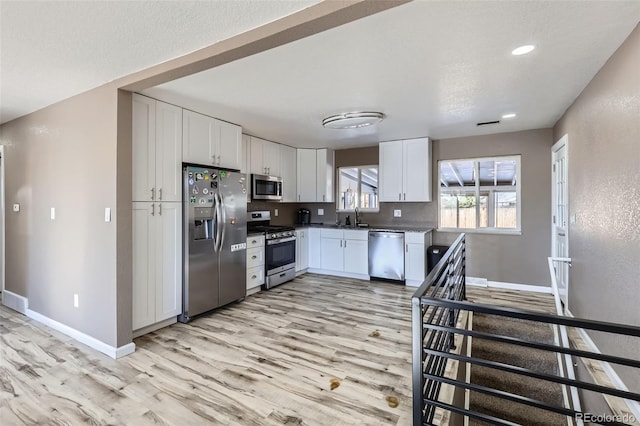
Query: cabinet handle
x=399 y=196
x=254 y=257
x=405 y=196
x=298 y=197
x=253 y=277
x=253 y=242
x=406 y=248
x=153 y=209
x=340 y=243
x=345 y=243
x=160 y=194
x=322 y=197
x=153 y=194
x=218 y=159
x=160 y=209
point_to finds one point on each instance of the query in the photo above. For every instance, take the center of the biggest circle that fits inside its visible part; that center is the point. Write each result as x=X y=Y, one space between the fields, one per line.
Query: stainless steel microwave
x=266 y=188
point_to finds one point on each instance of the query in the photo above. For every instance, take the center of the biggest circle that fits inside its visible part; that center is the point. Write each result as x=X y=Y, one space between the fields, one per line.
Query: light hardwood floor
x=271 y=359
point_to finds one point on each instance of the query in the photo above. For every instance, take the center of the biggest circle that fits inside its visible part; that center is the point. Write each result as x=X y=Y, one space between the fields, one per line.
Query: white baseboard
x=15 y=301
x=475 y=281
x=634 y=406
x=521 y=287
x=81 y=337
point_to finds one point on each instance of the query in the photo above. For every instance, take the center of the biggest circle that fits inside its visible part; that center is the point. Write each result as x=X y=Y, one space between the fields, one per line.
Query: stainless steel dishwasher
x=386 y=255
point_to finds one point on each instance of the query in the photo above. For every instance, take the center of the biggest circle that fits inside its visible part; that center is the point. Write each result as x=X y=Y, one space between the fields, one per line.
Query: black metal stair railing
x=436 y=307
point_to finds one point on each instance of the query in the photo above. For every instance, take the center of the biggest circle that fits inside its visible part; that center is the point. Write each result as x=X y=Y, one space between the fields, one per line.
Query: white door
x=560 y=214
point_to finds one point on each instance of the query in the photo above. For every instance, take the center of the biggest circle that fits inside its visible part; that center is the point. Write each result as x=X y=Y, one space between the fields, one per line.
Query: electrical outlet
x=53 y=213
x=572 y=219
x=16 y=208
x=76 y=301
x=275 y=212
x=397 y=213
x=320 y=212
x=107 y=214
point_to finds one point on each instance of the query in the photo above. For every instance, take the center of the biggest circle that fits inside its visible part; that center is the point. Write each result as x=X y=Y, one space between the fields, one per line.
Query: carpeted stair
x=532 y=359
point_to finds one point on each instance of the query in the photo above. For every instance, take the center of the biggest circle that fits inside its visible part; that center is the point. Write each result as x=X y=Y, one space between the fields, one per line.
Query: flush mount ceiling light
x=522 y=50
x=510 y=115
x=352 y=120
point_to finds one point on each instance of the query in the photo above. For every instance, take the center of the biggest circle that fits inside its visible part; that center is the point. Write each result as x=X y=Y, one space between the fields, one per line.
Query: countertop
x=392 y=228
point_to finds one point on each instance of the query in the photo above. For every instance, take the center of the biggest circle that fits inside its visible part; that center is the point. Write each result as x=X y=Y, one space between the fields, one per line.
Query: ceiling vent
x=486 y=123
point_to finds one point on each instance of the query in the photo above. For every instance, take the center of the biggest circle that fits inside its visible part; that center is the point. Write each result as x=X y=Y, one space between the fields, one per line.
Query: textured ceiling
x=52 y=50
x=435 y=68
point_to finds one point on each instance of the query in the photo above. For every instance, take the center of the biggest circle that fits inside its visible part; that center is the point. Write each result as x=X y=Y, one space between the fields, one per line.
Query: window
x=480 y=194
x=358 y=188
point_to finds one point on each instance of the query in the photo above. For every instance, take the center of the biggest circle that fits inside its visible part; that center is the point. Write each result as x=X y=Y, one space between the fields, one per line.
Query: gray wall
x=520 y=259
x=603 y=126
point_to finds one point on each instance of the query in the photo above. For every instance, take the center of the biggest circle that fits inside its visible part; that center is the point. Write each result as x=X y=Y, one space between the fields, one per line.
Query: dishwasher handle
x=385 y=234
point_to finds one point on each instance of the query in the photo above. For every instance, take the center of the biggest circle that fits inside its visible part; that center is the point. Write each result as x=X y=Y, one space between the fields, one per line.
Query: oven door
x=280 y=255
x=267 y=188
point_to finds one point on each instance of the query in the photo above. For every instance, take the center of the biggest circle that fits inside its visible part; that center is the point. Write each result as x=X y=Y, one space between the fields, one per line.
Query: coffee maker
x=303 y=217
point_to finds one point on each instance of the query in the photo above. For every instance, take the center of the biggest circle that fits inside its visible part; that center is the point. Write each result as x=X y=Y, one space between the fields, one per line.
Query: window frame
x=359 y=190
x=478 y=189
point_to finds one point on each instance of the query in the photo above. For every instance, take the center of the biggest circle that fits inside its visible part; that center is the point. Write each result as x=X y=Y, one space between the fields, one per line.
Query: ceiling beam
x=455 y=173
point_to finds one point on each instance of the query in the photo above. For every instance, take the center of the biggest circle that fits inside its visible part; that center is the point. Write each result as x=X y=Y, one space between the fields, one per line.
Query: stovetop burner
x=259 y=222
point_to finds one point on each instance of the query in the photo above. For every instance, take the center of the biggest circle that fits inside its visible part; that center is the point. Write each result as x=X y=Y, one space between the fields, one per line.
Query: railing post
x=417 y=354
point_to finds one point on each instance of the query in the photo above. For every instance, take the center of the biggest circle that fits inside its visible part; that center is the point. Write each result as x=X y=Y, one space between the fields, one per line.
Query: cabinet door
x=417 y=170
x=314 y=248
x=288 y=167
x=144 y=143
x=331 y=254
x=356 y=256
x=198 y=138
x=257 y=152
x=391 y=171
x=169 y=260
x=229 y=150
x=307 y=175
x=246 y=159
x=324 y=175
x=414 y=262
x=168 y=152
x=144 y=264
x=271 y=157
x=304 y=250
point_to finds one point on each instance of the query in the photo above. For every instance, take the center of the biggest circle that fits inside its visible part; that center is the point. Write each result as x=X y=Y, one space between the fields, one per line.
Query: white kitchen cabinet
x=209 y=141
x=306 y=172
x=415 y=257
x=344 y=251
x=405 y=170
x=325 y=162
x=255 y=262
x=265 y=157
x=157 y=150
x=314 y=248
x=302 y=250
x=157 y=262
x=315 y=175
x=246 y=152
x=288 y=168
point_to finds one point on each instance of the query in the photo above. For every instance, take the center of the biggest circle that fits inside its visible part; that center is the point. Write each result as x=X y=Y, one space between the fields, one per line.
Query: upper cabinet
x=209 y=141
x=157 y=150
x=288 y=167
x=315 y=175
x=265 y=157
x=405 y=170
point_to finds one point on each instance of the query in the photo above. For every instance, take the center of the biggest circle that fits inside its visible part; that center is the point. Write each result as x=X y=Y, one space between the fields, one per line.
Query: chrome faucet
x=357 y=216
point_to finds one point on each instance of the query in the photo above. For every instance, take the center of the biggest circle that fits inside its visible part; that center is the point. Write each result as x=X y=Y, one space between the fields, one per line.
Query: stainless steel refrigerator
x=214 y=239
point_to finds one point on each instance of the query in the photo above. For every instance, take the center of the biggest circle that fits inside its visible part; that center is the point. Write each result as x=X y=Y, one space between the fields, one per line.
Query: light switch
x=107 y=214
x=320 y=212
x=53 y=213
x=275 y=212
x=16 y=208
x=397 y=213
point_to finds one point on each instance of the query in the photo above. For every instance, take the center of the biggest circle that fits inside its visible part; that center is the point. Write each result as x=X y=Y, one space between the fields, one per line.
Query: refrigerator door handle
x=222 y=221
x=214 y=226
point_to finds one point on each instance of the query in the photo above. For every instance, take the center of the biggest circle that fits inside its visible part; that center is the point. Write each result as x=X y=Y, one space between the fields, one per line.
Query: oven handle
x=281 y=240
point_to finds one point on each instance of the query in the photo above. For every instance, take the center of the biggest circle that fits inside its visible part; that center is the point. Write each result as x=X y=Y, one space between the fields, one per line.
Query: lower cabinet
x=344 y=251
x=255 y=262
x=415 y=263
x=302 y=250
x=314 y=248
x=157 y=262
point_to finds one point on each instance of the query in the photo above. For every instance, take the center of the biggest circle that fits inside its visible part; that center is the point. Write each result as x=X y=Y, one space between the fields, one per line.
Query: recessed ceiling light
x=352 y=120
x=523 y=50
x=511 y=115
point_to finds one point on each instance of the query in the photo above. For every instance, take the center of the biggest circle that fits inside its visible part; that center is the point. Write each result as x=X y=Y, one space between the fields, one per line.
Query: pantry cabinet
x=405 y=170
x=156 y=150
x=157 y=262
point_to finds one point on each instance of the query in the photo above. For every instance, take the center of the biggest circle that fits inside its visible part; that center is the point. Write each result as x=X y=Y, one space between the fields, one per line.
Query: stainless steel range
x=280 y=248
